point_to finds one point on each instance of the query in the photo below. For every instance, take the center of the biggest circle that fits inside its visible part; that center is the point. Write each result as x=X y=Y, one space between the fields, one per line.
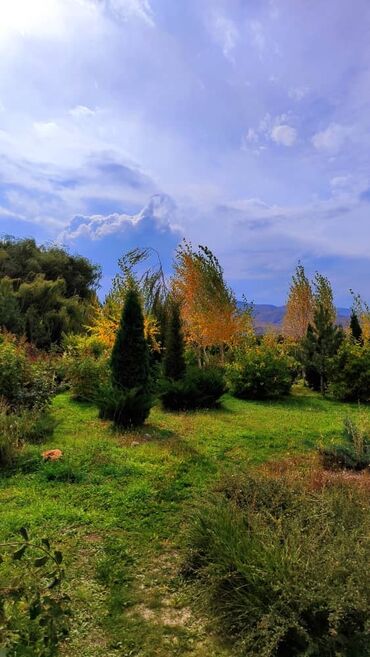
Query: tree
x=323 y=338
x=174 y=362
x=355 y=327
x=299 y=307
x=44 y=291
x=130 y=356
x=209 y=310
x=322 y=342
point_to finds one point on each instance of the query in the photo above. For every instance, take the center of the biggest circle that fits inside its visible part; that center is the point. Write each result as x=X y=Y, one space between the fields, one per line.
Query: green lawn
x=118 y=505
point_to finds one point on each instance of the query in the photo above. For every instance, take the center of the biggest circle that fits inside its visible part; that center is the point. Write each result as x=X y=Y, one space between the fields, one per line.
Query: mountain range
x=270 y=316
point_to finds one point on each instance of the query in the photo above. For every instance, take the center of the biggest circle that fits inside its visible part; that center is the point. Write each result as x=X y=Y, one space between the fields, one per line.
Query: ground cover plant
x=282 y=566
x=118 y=505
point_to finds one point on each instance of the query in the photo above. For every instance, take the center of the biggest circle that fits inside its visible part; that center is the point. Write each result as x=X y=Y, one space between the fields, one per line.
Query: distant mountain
x=269 y=316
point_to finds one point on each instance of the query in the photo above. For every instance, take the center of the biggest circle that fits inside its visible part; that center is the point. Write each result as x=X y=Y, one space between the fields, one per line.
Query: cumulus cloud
x=332 y=138
x=160 y=212
x=284 y=135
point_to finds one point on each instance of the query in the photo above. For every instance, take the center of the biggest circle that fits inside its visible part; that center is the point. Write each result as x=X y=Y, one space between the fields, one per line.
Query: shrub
x=9 y=437
x=22 y=427
x=283 y=569
x=34 y=610
x=85 y=374
x=126 y=408
x=262 y=372
x=198 y=389
x=24 y=382
x=350 y=376
x=354 y=454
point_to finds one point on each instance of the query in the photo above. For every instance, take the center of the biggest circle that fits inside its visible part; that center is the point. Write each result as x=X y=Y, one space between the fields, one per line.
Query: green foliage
x=34 y=610
x=85 y=374
x=44 y=291
x=354 y=454
x=355 y=327
x=197 y=389
x=350 y=372
x=174 y=361
x=17 y=428
x=130 y=355
x=24 y=382
x=283 y=569
x=320 y=345
x=261 y=372
x=125 y=407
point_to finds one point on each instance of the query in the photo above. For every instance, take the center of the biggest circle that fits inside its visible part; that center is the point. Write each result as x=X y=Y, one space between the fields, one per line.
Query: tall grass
x=283 y=568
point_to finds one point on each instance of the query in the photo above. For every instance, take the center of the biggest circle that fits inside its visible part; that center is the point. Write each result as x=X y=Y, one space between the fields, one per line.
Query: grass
x=118 y=504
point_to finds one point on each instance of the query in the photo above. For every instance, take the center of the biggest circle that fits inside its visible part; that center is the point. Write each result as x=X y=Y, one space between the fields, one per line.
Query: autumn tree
x=134 y=269
x=300 y=305
x=209 y=310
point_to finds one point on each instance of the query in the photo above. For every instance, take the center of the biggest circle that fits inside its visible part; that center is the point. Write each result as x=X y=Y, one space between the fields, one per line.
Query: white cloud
x=331 y=139
x=258 y=36
x=298 y=93
x=45 y=128
x=81 y=111
x=284 y=135
x=225 y=33
x=126 y=9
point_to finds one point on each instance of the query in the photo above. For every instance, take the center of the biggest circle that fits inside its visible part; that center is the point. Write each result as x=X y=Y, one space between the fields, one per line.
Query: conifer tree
x=355 y=327
x=174 y=362
x=130 y=357
x=322 y=341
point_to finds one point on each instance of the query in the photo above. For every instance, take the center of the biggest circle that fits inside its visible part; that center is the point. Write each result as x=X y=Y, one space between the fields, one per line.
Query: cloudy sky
x=242 y=124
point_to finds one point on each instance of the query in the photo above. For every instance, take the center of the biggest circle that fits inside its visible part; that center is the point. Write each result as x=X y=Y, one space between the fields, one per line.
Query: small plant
x=283 y=568
x=34 y=610
x=198 y=389
x=354 y=454
x=262 y=372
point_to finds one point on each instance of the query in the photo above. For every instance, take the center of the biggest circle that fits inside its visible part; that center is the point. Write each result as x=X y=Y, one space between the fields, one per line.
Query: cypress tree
x=174 y=362
x=130 y=356
x=356 y=330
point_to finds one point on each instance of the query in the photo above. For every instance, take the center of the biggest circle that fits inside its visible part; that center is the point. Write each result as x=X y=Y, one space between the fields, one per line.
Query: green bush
x=34 y=610
x=9 y=437
x=283 y=569
x=24 y=382
x=350 y=372
x=354 y=454
x=85 y=374
x=262 y=372
x=126 y=408
x=34 y=426
x=198 y=389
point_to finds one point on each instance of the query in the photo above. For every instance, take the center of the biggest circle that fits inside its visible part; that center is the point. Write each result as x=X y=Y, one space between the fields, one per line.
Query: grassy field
x=118 y=506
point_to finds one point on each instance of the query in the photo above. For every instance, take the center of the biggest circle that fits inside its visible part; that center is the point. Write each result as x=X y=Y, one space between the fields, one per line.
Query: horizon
x=243 y=126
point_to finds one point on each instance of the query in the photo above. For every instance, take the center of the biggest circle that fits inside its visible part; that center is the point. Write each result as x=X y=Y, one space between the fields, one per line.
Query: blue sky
x=242 y=124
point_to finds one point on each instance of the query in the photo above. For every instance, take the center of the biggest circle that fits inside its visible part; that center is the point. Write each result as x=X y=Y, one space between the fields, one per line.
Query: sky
x=240 y=124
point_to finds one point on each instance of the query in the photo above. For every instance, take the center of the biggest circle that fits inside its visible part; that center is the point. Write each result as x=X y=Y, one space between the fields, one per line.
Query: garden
x=171 y=482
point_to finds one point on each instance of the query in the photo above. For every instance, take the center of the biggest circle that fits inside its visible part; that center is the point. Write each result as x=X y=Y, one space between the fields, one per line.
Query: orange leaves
x=208 y=306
